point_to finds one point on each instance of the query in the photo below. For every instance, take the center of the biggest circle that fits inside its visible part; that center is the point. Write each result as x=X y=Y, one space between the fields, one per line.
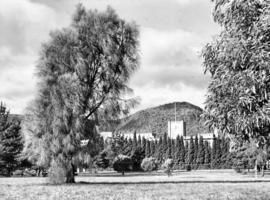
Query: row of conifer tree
x=196 y=152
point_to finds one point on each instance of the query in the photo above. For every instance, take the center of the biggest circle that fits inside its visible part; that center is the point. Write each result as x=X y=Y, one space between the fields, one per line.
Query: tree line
x=197 y=153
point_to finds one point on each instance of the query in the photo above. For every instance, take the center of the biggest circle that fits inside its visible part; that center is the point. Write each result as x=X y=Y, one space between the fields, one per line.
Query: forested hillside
x=155 y=119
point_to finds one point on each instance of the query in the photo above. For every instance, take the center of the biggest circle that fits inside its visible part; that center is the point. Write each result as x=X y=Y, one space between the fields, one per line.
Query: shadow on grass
x=171 y=182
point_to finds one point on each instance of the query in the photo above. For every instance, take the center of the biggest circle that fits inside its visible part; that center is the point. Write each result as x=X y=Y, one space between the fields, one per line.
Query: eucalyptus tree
x=238 y=63
x=82 y=74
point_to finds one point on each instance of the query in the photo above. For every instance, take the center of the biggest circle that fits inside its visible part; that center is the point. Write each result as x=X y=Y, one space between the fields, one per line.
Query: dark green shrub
x=137 y=156
x=102 y=161
x=122 y=164
x=188 y=168
x=149 y=164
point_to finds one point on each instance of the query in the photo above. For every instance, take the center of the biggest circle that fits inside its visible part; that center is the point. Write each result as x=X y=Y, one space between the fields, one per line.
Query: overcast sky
x=172 y=34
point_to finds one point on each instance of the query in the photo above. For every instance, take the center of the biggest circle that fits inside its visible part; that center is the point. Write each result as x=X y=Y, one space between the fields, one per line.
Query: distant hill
x=156 y=119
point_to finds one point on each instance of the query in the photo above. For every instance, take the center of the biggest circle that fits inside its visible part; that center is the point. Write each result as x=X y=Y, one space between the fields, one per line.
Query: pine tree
x=201 y=152
x=182 y=150
x=196 y=148
x=172 y=148
x=134 y=142
x=177 y=150
x=159 y=150
x=10 y=142
x=144 y=145
x=186 y=152
x=164 y=146
x=213 y=153
x=218 y=153
x=169 y=149
x=127 y=147
x=207 y=154
x=191 y=151
x=147 y=149
x=152 y=148
x=139 y=143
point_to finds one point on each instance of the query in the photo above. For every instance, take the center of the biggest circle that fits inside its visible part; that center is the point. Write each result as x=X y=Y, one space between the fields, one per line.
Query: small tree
x=102 y=161
x=149 y=164
x=168 y=166
x=122 y=164
x=137 y=157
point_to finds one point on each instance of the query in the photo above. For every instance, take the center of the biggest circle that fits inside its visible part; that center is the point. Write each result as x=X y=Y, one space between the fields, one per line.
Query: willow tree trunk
x=70 y=174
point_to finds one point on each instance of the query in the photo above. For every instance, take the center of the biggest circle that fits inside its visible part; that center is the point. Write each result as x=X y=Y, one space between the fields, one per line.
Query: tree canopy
x=238 y=63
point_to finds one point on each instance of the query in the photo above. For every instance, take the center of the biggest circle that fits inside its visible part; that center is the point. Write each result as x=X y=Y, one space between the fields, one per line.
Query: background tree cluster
x=197 y=153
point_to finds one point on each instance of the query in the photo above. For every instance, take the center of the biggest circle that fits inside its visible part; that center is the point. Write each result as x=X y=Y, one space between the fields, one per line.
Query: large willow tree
x=238 y=61
x=82 y=71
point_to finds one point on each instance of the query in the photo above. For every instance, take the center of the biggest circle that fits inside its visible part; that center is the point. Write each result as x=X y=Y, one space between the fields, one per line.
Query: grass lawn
x=36 y=188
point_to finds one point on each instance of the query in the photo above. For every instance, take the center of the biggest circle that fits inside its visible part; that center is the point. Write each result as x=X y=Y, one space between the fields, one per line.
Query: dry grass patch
x=35 y=188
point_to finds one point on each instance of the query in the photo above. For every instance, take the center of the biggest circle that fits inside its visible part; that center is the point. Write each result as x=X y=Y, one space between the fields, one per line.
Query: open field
x=117 y=187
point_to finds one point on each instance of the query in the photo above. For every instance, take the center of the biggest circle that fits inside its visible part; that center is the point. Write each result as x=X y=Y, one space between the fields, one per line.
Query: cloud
x=172 y=34
x=24 y=26
x=153 y=96
x=170 y=58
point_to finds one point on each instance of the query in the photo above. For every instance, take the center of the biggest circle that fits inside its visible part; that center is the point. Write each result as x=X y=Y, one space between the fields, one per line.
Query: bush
x=137 y=157
x=188 y=168
x=57 y=173
x=122 y=164
x=4 y=172
x=149 y=164
x=18 y=172
x=29 y=172
x=102 y=161
x=168 y=166
x=237 y=169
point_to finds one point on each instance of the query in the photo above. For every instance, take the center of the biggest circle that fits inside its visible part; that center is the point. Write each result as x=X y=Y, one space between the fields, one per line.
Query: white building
x=106 y=135
x=148 y=136
x=176 y=128
x=209 y=137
